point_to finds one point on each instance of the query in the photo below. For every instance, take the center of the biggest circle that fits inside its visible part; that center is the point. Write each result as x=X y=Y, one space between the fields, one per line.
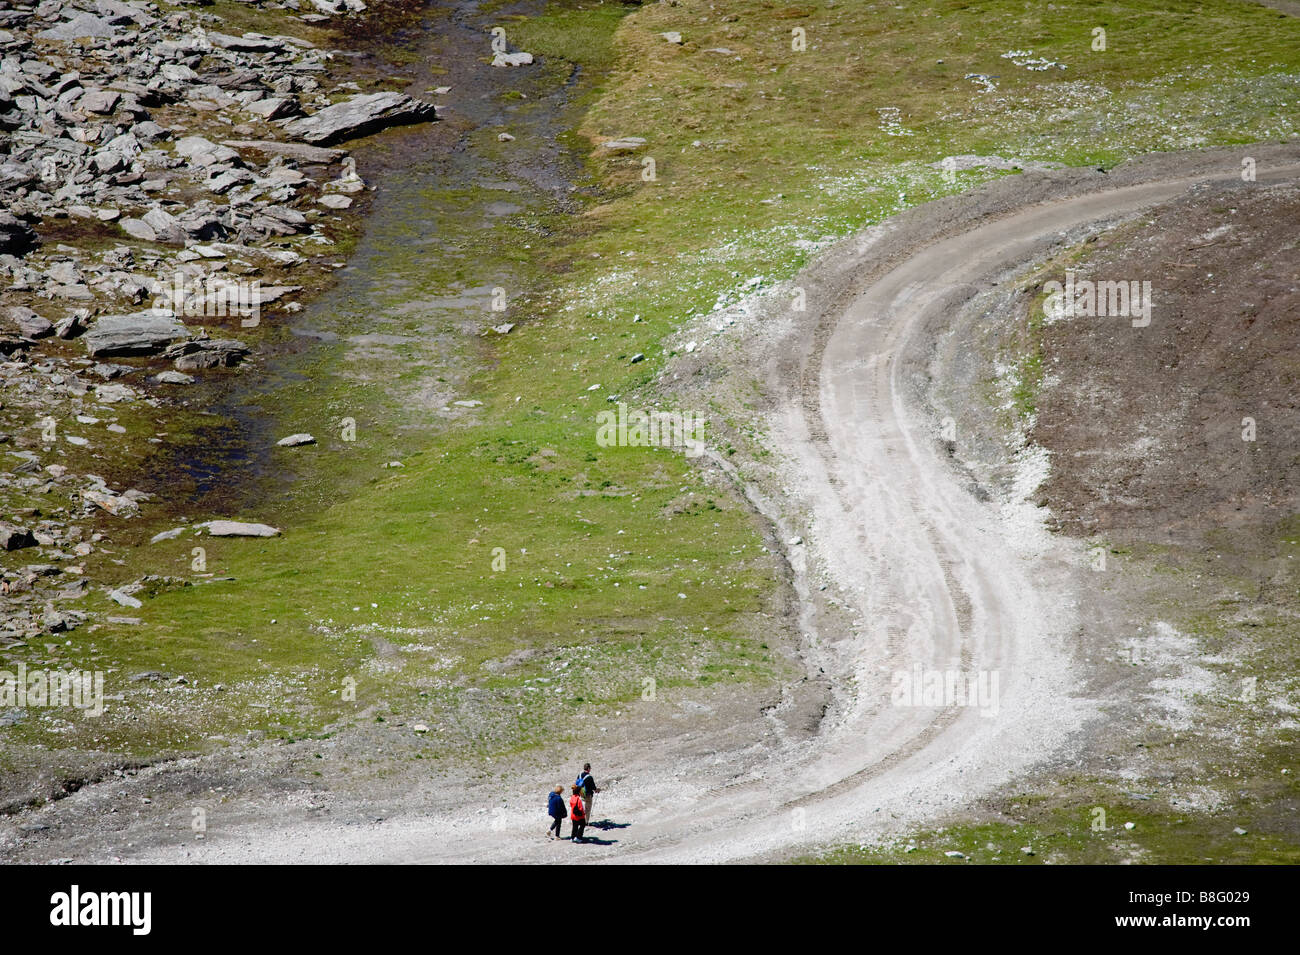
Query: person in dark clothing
x=555 y=807
x=587 y=784
x=578 y=813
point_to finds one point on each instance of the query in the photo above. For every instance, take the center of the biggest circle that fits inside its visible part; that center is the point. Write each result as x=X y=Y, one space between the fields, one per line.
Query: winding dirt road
x=934 y=577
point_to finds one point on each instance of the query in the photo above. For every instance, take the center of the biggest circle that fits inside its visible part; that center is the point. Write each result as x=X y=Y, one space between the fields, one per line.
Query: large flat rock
x=360 y=116
x=143 y=333
x=81 y=25
x=28 y=323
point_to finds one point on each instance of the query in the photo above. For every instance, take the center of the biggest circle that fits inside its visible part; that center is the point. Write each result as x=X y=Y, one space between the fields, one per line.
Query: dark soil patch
x=1149 y=428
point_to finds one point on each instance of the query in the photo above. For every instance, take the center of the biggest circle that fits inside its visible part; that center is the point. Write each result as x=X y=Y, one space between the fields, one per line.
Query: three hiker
x=584 y=791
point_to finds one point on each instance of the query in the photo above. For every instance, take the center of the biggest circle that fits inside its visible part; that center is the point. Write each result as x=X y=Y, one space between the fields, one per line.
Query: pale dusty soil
x=903 y=559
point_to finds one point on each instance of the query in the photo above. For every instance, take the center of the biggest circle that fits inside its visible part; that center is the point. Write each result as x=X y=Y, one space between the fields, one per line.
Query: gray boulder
x=138 y=229
x=143 y=333
x=28 y=323
x=204 y=152
x=14 y=174
x=197 y=354
x=99 y=101
x=72 y=325
x=118 y=12
x=82 y=25
x=164 y=226
x=360 y=116
x=148 y=131
x=275 y=107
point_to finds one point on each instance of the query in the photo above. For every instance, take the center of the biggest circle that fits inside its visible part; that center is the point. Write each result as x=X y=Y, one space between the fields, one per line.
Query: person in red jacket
x=578 y=813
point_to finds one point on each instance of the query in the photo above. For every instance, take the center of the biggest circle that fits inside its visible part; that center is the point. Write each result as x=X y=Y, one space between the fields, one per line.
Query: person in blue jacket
x=555 y=807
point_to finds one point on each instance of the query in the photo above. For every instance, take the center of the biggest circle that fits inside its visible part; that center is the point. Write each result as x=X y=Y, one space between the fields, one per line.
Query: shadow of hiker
x=606 y=824
x=593 y=841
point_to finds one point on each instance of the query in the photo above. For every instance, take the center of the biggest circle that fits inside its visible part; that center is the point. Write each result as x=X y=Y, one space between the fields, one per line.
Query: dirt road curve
x=936 y=578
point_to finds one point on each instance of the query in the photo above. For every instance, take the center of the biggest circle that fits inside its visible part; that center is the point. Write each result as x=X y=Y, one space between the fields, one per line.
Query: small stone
x=294 y=440
x=116 y=505
x=173 y=378
x=625 y=144
x=126 y=600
